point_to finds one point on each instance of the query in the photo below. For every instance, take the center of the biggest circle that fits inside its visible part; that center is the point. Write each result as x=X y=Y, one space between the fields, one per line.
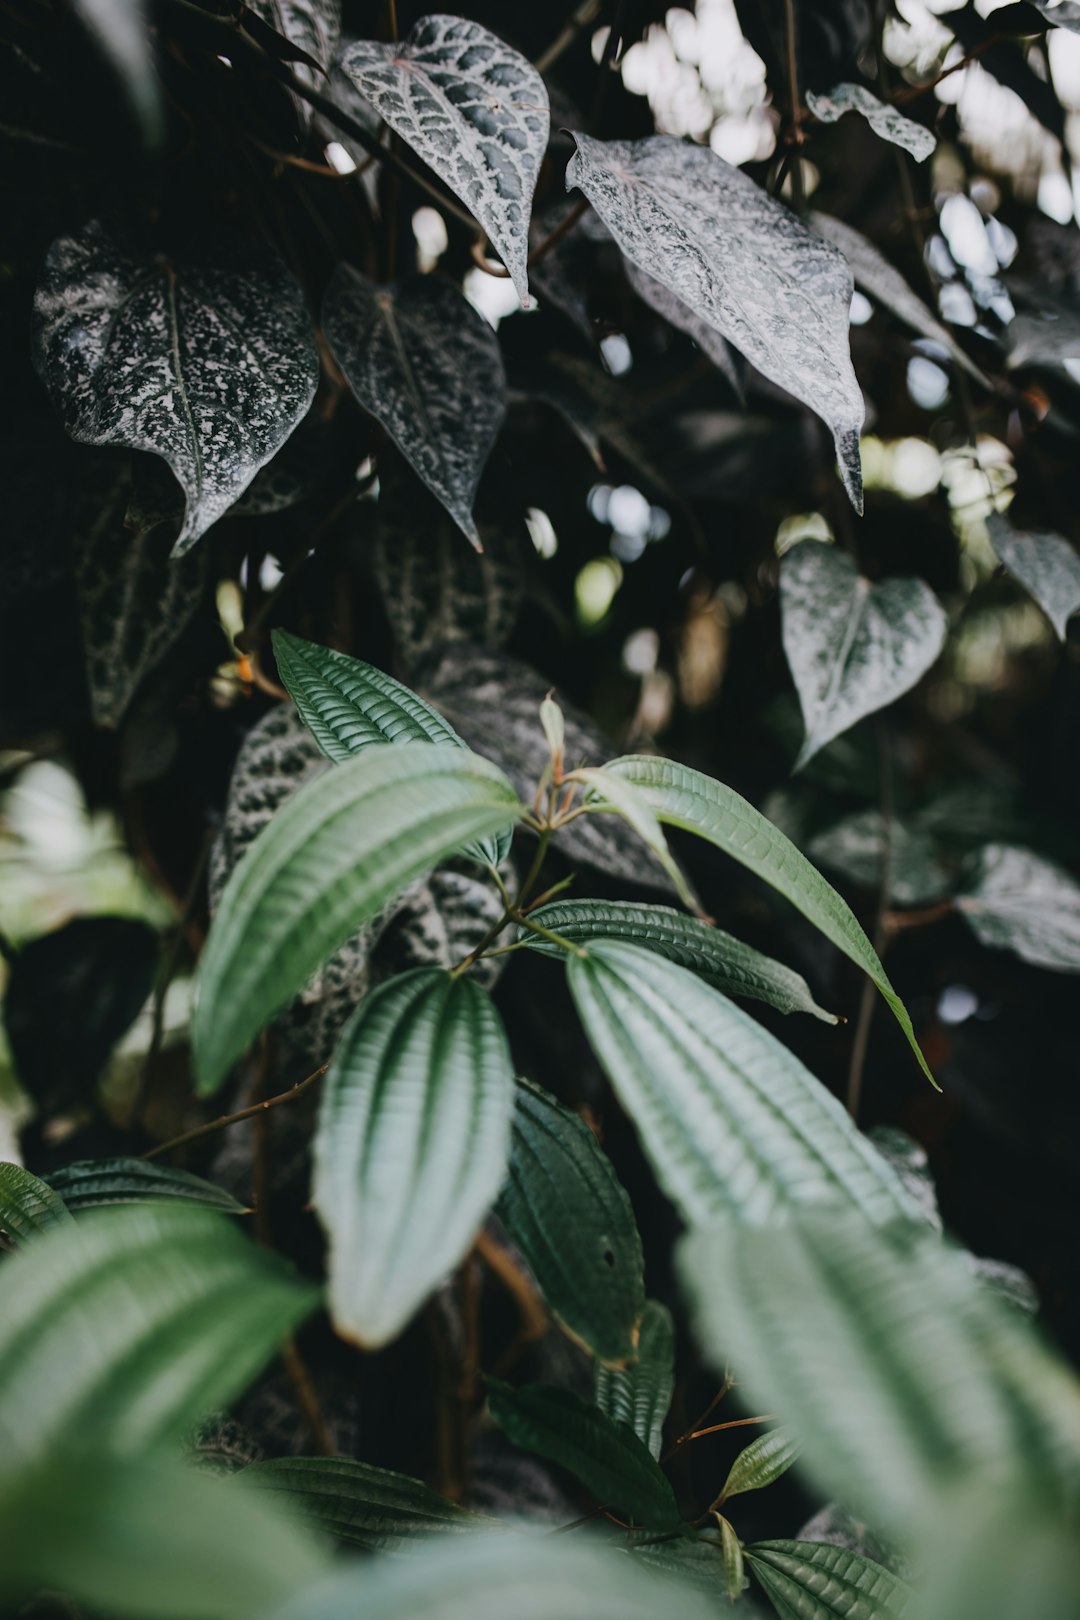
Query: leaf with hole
x=884 y=120
x=1022 y=903
x=28 y=1205
x=564 y=1207
x=359 y=1505
x=760 y=1463
x=207 y=360
x=88 y=1183
x=1046 y=565
x=640 y=1395
x=815 y=1581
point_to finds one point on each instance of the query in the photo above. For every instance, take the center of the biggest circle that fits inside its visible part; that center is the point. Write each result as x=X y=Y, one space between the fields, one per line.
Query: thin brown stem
x=307 y=1399
x=795 y=103
x=733 y=1423
x=563 y=228
x=225 y=1120
x=725 y=1388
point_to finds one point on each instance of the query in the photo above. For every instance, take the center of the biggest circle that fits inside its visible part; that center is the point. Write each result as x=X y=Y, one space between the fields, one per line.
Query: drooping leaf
x=87 y=1183
x=760 y=1463
x=741 y=262
x=606 y=1456
x=667 y=303
x=722 y=960
x=728 y=1117
x=428 y=368
x=605 y=788
x=1022 y=903
x=27 y=1205
x=853 y=647
x=121 y=31
x=411 y=1149
x=810 y=1580
x=475 y=110
x=147 y=1538
x=120 y=1330
x=568 y=1213
x=334 y=854
x=362 y=1506
x=314 y=26
x=732 y=1553
x=641 y=1394
x=884 y=120
x=899 y=1372
x=206 y=360
x=1046 y=566
x=348 y=705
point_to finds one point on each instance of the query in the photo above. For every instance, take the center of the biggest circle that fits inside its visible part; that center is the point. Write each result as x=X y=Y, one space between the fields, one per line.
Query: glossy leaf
x=414 y=1131
x=1046 y=566
x=719 y=958
x=605 y=788
x=640 y=1395
x=760 y=1463
x=564 y=1207
x=686 y=798
x=427 y=366
x=811 y=1580
x=885 y=120
x=361 y=1506
x=121 y=31
x=328 y=861
x=27 y=1205
x=207 y=361
x=741 y=262
x=120 y=1330
x=88 y=1183
x=1022 y=903
x=475 y=110
x=728 y=1117
x=606 y=1456
x=853 y=647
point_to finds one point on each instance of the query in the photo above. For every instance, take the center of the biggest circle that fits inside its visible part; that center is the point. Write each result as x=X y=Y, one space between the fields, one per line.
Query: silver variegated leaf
x=1022 y=903
x=742 y=263
x=1046 y=566
x=671 y=307
x=852 y=647
x=439 y=920
x=428 y=368
x=313 y=25
x=475 y=110
x=884 y=120
x=855 y=847
x=207 y=360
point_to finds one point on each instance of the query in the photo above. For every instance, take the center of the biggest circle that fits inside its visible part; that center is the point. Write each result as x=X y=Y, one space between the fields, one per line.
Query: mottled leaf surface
x=853 y=647
x=359 y=1505
x=856 y=847
x=660 y=297
x=314 y=26
x=640 y=1395
x=741 y=262
x=207 y=360
x=1046 y=566
x=475 y=110
x=883 y=119
x=428 y=368
x=1022 y=903
x=27 y=1204
x=812 y=1581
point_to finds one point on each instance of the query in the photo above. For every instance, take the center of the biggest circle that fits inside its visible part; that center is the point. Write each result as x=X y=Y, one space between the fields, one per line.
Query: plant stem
x=580 y=19
x=546 y=933
x=307 y=1399
x=234 y=1119
x=790 y=41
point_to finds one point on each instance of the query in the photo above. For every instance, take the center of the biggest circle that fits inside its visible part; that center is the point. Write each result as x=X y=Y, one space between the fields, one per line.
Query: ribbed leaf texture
x=28 y=1206
x=362 y=1506
x=88 y=1183
x=686 y=798
x=639 y=1396
x=811 y=1580
x=334 y=854
x=730 y=1120
x=121 y=1330
x=565 y=1209
x=412 y=1142
x=761 y=1463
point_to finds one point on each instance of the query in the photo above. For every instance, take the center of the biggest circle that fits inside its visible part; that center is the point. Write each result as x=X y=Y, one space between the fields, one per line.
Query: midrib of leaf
x=384 y=303
x=172 y=306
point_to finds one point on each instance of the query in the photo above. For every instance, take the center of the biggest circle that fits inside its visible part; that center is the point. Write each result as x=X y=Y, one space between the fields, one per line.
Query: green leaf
x=686 y=798
x=330 y=859
x=732 y=1553
x=902 y=1375
x=607 y=1457
x=639 y=1396
x=760 y=1463
x=411 y=1148
x=27 y=1206
x=885 y=120
x=729 y=1119
x=566 y=1210
x=348 y=705
x=719 y=958
x=121 y=31
x=147 y=1538
x=1021 y=903
x=361 y=1506
x=1046 y=565
x=121 y=1330
x=87 y=1183
x=604 y=788
x=812 y=1580
x=698 y=1561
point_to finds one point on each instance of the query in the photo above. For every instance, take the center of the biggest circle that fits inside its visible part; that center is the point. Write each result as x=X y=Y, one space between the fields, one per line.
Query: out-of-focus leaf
x=1021 y=903
x=1046 y=566
x=27 y=1206
x=855 y=847
x=1047 y=338
x=121 y=31
x=361 y=1506
x=760 y=1463
x=884 y=120
x=1062 y=13
x=641 y=1394
x=88 y=1183
x=812 y=1581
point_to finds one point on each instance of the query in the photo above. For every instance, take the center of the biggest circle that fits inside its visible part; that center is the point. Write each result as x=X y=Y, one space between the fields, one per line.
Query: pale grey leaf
x=852 y=647
x=475 y=110
x=428 y=368
x=207 y=361
x=878 y=279
x=313 y=25
x=742 y=263
x=1047 y=338
x=1062 y=13
x=121 y=29
x=668 y=304
x=884 y=120
x=1045 y=564
x=1022 y=903
x=440 y=919
x=856 y=845
x=910 y=1161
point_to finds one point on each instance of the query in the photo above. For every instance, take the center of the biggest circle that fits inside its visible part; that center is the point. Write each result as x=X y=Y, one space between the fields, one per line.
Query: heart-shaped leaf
x=1046 y=566
x=327 y=862
x=206 y=360
x=411 y=1149
x=852 y=647
x=1022 y=903
x=816 y=1581
x=741 y=262
x=640 y=1395
x=884 y=120
x=87 y=1183
x=362 y=1506
x=428 y=368
x=564 y=1207
x=729 y=1119
x=28 y=1206
x=475 y=110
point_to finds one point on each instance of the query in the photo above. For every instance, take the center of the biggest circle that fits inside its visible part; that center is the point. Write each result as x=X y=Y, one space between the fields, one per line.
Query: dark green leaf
x=361 y=1506
x=88 y=1183
x=639 y=1396
x=811 y=1580
x=27 y=1206
x=760 y=1463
